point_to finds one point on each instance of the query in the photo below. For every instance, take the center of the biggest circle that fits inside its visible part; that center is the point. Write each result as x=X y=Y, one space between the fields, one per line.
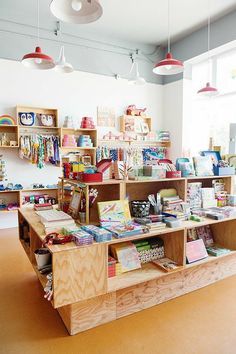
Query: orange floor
x=202 y=322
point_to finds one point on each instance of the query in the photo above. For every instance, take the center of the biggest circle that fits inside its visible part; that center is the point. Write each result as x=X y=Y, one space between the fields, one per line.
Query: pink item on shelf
x=69 y=140
x=87 y=123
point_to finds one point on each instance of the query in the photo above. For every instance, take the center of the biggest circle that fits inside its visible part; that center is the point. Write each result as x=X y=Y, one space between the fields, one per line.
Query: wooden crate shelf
x=84 y=295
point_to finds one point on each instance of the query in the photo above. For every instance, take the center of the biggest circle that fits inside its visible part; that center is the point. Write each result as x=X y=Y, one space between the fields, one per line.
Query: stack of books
x=172 y=203
x=45 y=206
x=55 y=221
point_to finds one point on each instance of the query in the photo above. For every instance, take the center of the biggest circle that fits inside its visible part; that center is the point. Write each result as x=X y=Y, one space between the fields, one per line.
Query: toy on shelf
x=68 y=122
x=87 y=123
x=69 y=141
x=27 y=118
x=7 y=120
x=3 y=173
x=85 y=141
x=133 y=111
x=47 y=120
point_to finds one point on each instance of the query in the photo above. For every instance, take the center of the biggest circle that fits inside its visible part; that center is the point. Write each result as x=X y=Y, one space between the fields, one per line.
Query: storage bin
x=223 y=171
x=140 y=208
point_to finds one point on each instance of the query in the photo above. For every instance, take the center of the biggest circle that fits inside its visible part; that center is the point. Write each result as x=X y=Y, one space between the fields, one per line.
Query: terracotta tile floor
x=203 y=322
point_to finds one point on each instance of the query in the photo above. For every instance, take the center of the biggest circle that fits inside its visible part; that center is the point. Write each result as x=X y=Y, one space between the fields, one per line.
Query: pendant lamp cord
x=208 y=37
x=168 y=20
x=38 y=20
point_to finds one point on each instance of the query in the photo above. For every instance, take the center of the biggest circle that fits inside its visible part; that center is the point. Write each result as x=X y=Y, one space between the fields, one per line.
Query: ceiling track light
x=76 y=11
x=38 y=60
x=169 y=65
x=208 y=90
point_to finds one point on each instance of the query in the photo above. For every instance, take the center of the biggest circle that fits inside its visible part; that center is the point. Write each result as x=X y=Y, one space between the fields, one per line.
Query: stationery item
x=82 y=238
x=205 y=233
x=216 y=251
x=195 y=250
x=194 y=197
x=127 y=255
x=113 y=212
x=166 y=264
x=125 y=230
x=203 y=166
x=150 y=249
x=192 y=235
x=111 y=267
x=99 y=234
x=44 y=206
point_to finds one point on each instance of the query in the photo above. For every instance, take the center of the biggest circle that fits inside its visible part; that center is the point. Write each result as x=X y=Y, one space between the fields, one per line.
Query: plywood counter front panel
x=79 y=274
x=141 y=296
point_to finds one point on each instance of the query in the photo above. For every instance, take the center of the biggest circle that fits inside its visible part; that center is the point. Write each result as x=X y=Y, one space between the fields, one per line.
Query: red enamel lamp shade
x=168 y=66
x=208 y=90
x=38 y=60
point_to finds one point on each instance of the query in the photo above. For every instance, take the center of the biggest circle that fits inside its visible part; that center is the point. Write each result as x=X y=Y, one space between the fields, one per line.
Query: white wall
x=77 y=94
x=173 y=115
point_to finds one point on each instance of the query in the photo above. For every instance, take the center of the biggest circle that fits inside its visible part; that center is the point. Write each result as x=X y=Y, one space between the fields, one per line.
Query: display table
x=83 y=294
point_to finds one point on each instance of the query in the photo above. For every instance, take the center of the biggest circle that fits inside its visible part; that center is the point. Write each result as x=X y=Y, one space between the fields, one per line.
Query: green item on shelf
x=195 y=218
x=143 y=248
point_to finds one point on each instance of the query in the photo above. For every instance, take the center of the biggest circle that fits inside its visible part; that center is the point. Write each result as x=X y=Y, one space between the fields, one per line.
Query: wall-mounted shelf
x=17 y=195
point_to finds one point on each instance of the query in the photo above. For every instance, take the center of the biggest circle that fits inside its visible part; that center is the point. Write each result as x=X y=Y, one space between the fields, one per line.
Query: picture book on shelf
x=195 y=251
x=127 y=255
x=205 y=233
x=124 y=230
x=166 y=264
x=114 y=212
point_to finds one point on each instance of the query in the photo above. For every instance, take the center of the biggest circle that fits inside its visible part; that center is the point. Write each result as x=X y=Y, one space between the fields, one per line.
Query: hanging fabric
x=40 y=149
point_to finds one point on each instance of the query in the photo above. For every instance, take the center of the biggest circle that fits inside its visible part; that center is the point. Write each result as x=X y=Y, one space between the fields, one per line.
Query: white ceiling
x=143 y=21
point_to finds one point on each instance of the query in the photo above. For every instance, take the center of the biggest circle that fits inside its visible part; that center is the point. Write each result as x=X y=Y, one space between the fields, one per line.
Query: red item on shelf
x=90 y=177
x=173 y=174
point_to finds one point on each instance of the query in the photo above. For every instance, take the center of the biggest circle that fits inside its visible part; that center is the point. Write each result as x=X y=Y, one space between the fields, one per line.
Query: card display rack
x=85 y=297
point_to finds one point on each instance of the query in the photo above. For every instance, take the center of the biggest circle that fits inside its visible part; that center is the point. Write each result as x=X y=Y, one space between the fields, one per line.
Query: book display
x=97 y=266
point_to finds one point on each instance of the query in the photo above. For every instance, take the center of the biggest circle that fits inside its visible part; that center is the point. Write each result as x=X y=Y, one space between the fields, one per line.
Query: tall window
x=210 y=118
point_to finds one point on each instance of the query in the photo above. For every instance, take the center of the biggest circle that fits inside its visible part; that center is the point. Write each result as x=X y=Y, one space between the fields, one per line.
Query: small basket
x=140 y=208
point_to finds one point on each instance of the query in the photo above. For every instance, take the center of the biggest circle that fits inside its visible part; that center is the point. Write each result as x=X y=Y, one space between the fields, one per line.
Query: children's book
x=195 y=251
x=205 y=233
x=114 y=212
x=215 y=250
x=127 y=255
x=125 y=230
x=166 y=264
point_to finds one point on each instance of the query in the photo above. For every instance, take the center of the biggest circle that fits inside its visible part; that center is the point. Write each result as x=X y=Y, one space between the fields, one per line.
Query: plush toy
x=27 y=119
x=46 y=120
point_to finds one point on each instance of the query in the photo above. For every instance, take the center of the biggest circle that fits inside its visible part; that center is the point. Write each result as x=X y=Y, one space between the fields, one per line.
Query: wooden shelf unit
x=16 y=196
x=37 y=110
x=79 y=149
x=116 y=189
x=12 y=132
x=85 y=297
x=144 y=119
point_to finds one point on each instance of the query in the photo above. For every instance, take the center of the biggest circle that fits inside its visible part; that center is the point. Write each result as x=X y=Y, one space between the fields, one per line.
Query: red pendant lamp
x=169 y=65
x=208 y=90
x=38 y=60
